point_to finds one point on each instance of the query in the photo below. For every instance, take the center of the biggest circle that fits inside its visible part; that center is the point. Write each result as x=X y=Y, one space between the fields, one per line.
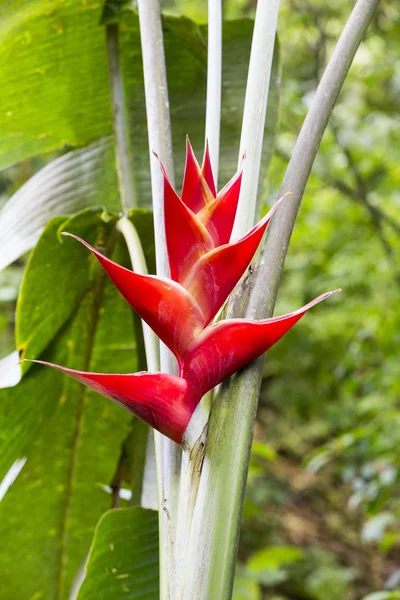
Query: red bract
x=204 y=267
x=164 y=401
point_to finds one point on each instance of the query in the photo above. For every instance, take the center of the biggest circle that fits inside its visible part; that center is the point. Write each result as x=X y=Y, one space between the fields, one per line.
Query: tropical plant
x=69 y=313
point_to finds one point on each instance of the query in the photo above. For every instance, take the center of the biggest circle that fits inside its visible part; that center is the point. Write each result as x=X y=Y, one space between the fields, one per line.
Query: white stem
x=214 y=68
x=197 y=423
x=149 y=497
x=255 y=110
x=158 y=120
x=168 y=454
x=190 y=478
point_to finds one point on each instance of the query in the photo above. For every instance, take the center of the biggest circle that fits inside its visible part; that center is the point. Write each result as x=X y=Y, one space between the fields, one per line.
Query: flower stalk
x=160 y=141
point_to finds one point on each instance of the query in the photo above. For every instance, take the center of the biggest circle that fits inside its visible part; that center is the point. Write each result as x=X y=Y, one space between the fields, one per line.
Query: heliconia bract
x=204 y=267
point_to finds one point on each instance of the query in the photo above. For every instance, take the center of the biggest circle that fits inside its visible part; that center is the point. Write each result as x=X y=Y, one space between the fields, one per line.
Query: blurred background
x=324 y=480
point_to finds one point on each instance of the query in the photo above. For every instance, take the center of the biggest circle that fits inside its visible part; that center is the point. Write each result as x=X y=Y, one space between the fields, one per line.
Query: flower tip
x=31 y=360
x=163 y=171
x=241 y=163
x=277 y=203
x=78 y=239
x=337 y=291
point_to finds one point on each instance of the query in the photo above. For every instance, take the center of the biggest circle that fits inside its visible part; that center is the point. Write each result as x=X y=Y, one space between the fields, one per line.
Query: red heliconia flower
x=166 y=402
x=204 y=267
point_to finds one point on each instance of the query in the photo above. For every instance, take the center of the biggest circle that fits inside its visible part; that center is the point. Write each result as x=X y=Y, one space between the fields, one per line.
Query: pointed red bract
x=219 y=216
x=187 y=238
x=164 y=401
x=196 y=192
x=224 y=348
x=207 y=172
x=204 y=266
x=165 y=305
x=214 y=276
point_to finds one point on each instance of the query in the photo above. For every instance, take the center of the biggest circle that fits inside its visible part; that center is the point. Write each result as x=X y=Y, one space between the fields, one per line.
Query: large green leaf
x=56 y=278
x=87 y=176
x=71 y=436
x=61 y=60
x=72 y=182
x=123 y=561
x=53 y=77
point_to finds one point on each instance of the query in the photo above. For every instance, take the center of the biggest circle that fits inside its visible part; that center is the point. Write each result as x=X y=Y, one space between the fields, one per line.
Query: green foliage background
x=322 y=509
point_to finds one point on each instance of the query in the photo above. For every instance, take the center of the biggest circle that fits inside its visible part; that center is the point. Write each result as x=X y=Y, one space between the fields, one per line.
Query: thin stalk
x=144 y=494
x=139 y=265
x=128 y=200
x=139 y=435
x=214 y=69
x=168 y=454
x=149 y=497
x=122 y=155
x=255 y=110
x=217 y=516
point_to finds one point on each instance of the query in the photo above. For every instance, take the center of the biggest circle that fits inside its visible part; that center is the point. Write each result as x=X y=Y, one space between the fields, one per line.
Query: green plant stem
x=214 y=68
x=121 y=131
x=168 y=454
x=217 y=515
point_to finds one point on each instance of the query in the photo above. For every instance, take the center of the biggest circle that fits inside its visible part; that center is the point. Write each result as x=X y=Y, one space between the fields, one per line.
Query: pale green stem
x=122 y=155
x=255 y=110
x=214 y=68
x=217 y=515
x=168 y=454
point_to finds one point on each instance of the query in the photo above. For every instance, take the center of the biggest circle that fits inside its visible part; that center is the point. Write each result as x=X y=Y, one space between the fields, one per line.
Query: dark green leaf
x=53 y=77
x=71 y=436
x=77 y=180
x=123 y=561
